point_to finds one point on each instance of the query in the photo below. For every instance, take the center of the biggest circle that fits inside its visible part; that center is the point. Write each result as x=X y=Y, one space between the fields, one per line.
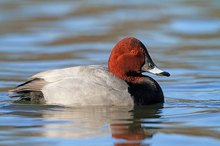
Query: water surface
x=182 y=37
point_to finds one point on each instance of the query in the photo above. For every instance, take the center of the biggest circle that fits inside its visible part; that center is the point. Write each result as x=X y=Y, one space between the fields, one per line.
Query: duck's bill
x=158 y=72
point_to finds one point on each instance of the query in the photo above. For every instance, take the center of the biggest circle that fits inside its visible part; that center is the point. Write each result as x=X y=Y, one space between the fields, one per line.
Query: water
x=181 y=36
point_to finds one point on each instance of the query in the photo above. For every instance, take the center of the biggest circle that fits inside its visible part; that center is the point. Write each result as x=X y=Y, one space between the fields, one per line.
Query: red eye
x=134 y=52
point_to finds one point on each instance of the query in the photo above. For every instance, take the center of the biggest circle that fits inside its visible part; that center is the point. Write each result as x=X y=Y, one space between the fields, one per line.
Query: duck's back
x=82 y=85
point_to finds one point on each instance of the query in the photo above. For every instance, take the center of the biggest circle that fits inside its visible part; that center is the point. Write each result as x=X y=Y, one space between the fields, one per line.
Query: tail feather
x=29 y=91
x=35 y=84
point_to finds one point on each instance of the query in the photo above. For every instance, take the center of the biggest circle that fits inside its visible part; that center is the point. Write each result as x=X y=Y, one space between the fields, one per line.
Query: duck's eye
x=134 y=52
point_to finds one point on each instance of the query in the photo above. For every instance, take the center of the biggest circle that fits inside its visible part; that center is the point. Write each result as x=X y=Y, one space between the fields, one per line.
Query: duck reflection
x=139 y=128
x=84 y=122
x=127 y=125
x=123 y=123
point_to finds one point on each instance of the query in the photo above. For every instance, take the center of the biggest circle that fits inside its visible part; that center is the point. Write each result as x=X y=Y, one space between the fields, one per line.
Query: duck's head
x=129 y=58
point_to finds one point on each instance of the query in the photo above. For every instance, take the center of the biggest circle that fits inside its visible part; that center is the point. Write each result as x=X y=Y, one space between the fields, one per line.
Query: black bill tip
x=164 y=74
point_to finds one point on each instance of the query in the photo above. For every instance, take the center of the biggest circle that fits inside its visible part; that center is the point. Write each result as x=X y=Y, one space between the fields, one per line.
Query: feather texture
x=81 y=85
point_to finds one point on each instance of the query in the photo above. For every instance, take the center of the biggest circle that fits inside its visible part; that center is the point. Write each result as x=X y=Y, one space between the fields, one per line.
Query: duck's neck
x=131 y=77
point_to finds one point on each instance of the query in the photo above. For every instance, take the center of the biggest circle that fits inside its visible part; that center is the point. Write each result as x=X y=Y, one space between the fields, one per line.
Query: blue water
x=181 y=36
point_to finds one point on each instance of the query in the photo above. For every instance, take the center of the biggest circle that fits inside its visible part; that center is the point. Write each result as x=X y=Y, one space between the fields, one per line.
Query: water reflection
x=84 y=122
x=123 y=123
x=128 y=126
x=137 y=131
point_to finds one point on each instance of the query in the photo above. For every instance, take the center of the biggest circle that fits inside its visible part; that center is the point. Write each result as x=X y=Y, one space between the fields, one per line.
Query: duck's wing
x=35 y=84
x=89 y=85
x=82 y=85
x=39 y=80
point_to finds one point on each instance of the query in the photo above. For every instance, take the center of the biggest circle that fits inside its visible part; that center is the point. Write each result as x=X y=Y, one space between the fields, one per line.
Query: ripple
x=182 y=37
x=195 y=26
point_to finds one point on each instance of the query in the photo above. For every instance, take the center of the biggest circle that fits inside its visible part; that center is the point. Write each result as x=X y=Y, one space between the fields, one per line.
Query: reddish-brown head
x=129 y=58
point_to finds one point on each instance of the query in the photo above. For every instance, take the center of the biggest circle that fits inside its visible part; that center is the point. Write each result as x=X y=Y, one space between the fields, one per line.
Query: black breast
x=146 y=92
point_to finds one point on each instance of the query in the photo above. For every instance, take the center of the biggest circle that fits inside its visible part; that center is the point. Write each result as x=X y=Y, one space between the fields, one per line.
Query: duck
x=122 y=83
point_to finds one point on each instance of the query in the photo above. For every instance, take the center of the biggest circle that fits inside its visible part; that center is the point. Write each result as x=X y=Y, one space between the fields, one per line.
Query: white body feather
x=84 y=85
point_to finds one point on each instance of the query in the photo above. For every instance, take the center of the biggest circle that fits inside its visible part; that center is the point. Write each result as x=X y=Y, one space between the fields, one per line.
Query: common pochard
x=122 y=83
